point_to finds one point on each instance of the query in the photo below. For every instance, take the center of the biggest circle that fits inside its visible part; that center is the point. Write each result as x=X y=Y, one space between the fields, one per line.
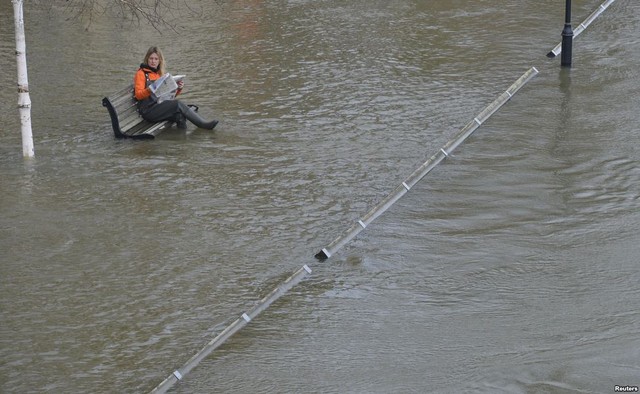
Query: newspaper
x=165 y=87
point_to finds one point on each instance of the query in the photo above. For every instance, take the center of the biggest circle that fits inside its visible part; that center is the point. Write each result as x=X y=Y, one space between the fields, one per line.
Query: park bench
x=125 y=119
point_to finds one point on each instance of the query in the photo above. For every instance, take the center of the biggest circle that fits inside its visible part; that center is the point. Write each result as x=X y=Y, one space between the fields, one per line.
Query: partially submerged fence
x=231 y=329
x=425 y=168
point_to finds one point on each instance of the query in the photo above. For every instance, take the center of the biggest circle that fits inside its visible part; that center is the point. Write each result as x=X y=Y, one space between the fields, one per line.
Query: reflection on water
x=512 y=267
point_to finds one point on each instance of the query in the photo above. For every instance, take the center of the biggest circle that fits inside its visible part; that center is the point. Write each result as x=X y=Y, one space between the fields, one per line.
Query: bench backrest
x=125 y=119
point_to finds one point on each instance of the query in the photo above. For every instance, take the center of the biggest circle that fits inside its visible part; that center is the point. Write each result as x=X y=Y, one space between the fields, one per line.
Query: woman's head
x=155 y=59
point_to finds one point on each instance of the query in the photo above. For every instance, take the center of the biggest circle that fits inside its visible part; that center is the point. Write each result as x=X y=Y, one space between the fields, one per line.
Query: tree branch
x=160 y=14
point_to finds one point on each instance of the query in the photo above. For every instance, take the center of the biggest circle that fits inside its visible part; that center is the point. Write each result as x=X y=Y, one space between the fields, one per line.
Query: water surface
x=511 y=268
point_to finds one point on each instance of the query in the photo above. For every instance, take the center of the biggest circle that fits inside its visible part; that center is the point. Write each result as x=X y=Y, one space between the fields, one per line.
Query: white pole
x=24 y=102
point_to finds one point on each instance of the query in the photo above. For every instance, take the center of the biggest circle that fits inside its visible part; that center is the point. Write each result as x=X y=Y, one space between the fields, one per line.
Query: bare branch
x=160 y=14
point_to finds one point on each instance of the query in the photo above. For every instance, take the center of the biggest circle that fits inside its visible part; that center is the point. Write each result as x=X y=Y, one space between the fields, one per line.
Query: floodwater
x=511 y=268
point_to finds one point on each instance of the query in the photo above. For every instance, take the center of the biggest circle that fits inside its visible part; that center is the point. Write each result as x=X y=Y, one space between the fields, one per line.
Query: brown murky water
x=513 y=267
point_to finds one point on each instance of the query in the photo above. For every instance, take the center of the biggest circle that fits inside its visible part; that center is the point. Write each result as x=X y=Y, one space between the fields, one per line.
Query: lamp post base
x=567 y=46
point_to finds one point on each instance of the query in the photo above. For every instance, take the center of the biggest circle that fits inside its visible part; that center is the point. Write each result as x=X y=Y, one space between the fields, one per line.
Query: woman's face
x=154 y=60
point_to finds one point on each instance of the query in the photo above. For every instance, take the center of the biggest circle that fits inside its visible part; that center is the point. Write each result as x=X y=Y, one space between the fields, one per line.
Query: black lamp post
x=567 y=38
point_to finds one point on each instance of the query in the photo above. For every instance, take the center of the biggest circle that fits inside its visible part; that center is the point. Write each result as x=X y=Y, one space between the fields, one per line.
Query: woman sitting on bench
x=173 y=110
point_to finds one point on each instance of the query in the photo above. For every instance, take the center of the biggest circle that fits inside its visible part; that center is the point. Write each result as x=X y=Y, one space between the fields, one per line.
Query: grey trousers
x=166 y=110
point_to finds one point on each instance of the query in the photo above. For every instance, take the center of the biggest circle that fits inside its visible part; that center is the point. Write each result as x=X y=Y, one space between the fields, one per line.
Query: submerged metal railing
x=425 y=168
x=231 y=329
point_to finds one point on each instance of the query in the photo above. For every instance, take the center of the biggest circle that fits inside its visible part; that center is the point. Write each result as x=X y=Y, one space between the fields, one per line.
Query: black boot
x=193 y=117
x=181 y=121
